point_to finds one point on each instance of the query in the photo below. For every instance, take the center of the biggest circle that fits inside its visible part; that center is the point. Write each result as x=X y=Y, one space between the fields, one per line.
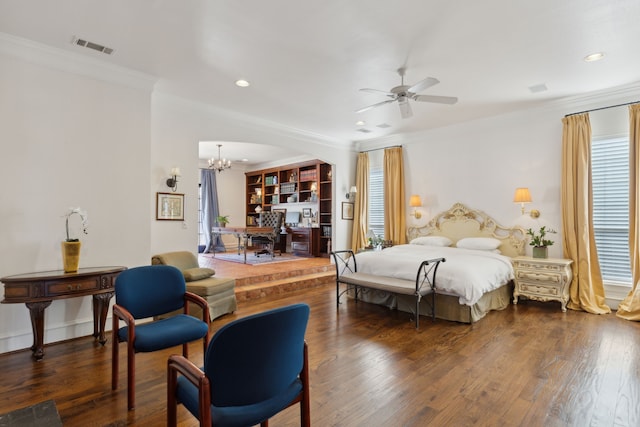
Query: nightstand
x=542 y=279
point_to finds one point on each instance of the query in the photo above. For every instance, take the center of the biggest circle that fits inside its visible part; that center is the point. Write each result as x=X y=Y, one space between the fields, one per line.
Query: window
x=610 y=180
x=376 y=192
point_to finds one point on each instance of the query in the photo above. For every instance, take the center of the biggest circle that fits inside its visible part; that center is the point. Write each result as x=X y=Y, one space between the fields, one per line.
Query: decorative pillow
x=193 y=274
x=480 y=243
x=432 y=241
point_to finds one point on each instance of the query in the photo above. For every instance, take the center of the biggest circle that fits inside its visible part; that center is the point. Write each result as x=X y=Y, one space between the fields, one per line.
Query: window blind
x=376 y=192
x=610 y=190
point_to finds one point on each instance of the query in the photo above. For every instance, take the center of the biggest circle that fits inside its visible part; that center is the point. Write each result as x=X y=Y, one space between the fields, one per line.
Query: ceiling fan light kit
x=403 y=93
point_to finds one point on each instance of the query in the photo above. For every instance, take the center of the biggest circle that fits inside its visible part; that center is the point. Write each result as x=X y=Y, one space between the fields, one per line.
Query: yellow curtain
x=360 y=212
x=629 y=308
x=586 y=289
x=394 y=204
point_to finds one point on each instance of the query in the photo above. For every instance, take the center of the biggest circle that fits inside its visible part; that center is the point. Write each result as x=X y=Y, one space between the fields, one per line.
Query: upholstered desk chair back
x=254 y=368
x=269 y=219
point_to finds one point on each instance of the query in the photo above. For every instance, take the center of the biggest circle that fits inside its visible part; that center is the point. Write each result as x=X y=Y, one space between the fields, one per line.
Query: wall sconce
x=351 y=195
x=523 y=196
x=415 y=202
x=173 y=181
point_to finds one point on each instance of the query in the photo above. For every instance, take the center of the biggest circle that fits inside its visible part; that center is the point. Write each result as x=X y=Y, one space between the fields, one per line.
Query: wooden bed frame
x=456 y=223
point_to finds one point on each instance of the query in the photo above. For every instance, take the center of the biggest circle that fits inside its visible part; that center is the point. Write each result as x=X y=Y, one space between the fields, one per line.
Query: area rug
x=41 y=414
x=252 y=259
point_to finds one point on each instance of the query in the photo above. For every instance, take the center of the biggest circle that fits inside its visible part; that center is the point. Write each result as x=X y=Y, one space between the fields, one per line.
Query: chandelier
x=220 y=164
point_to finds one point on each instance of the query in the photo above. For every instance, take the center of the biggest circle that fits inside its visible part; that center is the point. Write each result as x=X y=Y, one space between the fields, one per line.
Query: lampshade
x=522 y=195
x=353 y=189
x=415 y=201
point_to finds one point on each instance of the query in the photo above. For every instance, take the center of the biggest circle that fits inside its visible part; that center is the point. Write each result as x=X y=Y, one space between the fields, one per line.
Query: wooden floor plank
x=529 y=364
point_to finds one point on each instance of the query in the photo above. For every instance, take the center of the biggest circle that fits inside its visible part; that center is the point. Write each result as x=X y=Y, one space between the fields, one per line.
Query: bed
x=477 y=276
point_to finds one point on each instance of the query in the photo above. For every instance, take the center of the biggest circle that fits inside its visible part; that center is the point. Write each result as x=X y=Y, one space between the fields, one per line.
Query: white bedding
x=466 y=273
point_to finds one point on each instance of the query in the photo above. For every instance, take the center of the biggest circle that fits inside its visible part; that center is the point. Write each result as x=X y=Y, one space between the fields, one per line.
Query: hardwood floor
x=529 y=365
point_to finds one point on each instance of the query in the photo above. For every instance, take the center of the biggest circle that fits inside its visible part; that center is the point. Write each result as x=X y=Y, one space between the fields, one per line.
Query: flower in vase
x=83 y=218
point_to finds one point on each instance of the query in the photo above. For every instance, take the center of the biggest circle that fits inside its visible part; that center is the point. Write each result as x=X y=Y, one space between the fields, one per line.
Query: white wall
x=69 y=140
x=481 y=164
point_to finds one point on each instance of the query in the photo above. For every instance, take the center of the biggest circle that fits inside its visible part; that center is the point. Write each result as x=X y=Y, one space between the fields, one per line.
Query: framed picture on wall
x=170 y=206
x=347 y=210
x=306 y=213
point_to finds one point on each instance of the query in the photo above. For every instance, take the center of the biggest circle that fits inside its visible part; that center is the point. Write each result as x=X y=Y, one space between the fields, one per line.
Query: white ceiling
x=307 y=60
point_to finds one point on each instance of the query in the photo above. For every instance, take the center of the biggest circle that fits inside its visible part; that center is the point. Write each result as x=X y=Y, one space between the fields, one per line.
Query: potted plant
x=539 y=242
x=222 y=220
x=71 y=245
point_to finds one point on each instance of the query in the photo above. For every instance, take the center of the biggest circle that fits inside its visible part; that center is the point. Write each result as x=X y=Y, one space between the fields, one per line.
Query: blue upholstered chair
x=254 y=368
x=146 y=292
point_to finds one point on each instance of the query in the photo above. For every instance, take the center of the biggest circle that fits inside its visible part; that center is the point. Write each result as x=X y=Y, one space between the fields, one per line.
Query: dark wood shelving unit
x=294 y=187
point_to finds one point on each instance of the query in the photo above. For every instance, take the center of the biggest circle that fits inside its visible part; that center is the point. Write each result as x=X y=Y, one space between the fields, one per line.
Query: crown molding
x=565 y=105
x=598 y=99
x=255 y=123
x=63 y=60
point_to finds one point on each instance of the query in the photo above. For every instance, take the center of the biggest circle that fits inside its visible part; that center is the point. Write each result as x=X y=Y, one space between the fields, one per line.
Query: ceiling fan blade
x=366 y=89
x=405 y=107
x=424 y=84
x=437 y=99
x=374 y=105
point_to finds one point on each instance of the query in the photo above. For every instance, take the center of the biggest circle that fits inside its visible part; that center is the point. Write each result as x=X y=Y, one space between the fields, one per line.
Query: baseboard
x=53 y=333
x=614 y=294
x=77 y=328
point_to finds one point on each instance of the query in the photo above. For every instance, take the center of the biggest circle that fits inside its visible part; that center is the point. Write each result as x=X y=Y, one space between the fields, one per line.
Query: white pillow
x=481 y=243
x=431 y=241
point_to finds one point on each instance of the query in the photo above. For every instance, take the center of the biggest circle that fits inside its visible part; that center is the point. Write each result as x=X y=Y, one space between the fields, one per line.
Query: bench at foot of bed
x=425 y=283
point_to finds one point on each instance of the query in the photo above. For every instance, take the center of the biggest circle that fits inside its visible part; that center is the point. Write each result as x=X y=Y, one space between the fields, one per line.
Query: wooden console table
x=37 y=290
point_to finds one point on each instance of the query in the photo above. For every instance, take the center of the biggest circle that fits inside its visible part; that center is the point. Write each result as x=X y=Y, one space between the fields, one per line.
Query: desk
x=245 y=233
x=37 y=290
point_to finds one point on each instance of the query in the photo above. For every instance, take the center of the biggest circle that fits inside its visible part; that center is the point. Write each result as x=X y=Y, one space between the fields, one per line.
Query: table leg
x=100 y=311
x=36 y=310
x=246 y=243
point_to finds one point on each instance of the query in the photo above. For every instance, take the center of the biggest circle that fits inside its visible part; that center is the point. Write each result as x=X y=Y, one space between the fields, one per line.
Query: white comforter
x=466 y=273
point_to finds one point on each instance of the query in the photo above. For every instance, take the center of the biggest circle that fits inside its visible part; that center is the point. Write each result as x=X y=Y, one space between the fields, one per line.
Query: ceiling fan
x=404 y=93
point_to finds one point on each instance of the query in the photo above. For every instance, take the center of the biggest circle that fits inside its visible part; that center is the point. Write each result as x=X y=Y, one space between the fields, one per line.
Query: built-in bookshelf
x=301 y=187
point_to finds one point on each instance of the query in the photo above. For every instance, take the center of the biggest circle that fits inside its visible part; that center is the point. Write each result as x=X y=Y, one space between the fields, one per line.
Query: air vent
x=92 y=45
x=538 y=88
x=383 y=125
x=364 y=130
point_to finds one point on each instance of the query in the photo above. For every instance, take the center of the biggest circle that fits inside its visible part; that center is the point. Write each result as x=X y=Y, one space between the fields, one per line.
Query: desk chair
x=268 y=245
x=254 y=368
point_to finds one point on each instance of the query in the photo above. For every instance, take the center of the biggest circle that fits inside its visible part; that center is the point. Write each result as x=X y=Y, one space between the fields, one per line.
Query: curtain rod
x=602 y=108
x=381 y=148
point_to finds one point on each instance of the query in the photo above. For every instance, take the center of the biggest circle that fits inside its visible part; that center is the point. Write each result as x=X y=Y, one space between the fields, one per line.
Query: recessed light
x=360 y=123
x=242 y=83
x=594 y=57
